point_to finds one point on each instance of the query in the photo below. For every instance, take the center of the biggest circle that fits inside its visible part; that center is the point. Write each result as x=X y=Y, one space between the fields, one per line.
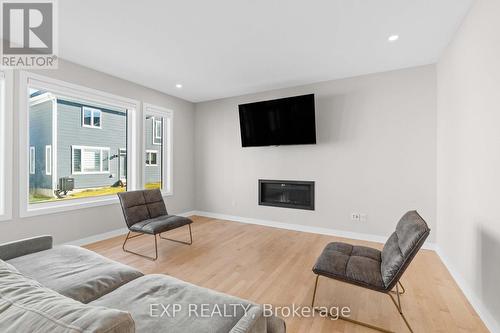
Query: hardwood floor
x=270 y=265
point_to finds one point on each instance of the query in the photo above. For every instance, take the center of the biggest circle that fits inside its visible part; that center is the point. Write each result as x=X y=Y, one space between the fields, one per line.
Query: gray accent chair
x=145 y=213
x=373 y=269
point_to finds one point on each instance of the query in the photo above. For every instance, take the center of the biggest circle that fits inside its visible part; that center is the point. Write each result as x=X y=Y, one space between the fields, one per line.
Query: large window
x=158 y=148
x=5 y=145
x=68 y=160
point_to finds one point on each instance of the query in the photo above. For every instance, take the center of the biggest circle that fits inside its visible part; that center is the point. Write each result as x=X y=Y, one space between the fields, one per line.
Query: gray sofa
x=71 y=289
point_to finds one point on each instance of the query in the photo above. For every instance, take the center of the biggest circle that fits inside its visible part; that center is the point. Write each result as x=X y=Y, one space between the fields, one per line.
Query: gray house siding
x=152 y=173
x=40 y=123
x=112 y=135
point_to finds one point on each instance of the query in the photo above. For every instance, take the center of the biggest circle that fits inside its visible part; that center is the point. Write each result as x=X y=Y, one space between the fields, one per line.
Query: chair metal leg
x=399 y=292
x=182 y=242
x=138 y=254
x=398 y=307
x=314 y=293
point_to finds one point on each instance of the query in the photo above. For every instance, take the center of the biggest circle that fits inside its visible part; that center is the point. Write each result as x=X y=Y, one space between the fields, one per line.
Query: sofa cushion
x=27 y=306
x=75 y=272
x=355 y=264
x=160 y=224
x=143 y=298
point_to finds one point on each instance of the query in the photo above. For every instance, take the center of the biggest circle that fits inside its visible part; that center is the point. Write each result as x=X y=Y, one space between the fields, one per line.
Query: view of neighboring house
x=85 y=143
x=154 y=143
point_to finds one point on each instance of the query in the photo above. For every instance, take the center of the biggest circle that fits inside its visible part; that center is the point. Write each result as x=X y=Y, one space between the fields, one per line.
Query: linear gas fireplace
x=286 y=193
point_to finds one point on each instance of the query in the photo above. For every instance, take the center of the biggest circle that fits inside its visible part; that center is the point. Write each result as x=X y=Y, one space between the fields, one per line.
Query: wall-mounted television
x=284 y=121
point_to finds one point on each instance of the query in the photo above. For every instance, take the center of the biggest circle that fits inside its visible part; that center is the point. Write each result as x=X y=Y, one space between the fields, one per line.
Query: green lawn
x=153 y=186
x=36 y=198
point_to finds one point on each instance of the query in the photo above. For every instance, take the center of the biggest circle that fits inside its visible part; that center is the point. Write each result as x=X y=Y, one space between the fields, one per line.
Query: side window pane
x=87 y=117
x=156 y=122
x=97 y=118
x=77 y=160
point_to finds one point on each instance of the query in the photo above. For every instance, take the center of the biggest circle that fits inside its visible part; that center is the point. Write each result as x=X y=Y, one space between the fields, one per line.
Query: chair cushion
x=155 y=203
x=354 y=264
x=142 y=205
x=75 y=272
x=402 y=246
x=27 y=306
x=160 y=224
x=144 y=296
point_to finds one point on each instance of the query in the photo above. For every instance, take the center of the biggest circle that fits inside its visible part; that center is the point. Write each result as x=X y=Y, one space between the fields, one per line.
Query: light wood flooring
x=270 y=265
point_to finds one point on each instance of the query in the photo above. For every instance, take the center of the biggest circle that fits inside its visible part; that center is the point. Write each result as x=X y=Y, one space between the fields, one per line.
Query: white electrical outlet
x=358 y=217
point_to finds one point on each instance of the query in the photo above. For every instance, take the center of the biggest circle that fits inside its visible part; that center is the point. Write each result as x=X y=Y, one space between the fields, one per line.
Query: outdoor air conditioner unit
x=65 y=185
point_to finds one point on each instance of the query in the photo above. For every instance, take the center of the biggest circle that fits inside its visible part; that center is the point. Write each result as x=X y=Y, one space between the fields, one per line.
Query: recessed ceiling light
x=393 y=38
x=178 y=85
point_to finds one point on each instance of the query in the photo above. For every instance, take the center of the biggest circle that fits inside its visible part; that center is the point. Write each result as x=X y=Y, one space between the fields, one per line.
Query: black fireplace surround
x=286 y=193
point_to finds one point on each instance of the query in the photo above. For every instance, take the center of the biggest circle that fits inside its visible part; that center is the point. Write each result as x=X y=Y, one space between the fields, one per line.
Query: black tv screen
x=285 y=121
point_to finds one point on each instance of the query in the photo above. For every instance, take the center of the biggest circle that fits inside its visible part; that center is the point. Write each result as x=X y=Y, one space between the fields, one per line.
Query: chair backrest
x=142 y=205
x=402 y=246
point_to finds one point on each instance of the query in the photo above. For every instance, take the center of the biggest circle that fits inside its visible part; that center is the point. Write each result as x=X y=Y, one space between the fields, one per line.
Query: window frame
x=6 y=113
x=154 y=137
x=82 y=148
x=92 y=112
x=48 y=160
x=150 y=152
x=92 y=97
x=167 y=153
x=32 y=161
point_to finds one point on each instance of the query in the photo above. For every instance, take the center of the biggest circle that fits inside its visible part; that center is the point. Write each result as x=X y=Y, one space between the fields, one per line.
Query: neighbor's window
x=32 y=160
x=48 y=160
x=152 y=157
x=91 y=117
x=79 y=162
x=157 y=132
x=89 y=160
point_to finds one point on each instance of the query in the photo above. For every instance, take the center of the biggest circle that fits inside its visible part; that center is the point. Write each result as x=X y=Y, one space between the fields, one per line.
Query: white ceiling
x=222 y=48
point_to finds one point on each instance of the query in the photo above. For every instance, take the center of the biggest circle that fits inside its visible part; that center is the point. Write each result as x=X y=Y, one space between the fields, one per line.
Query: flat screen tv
x=285 y=121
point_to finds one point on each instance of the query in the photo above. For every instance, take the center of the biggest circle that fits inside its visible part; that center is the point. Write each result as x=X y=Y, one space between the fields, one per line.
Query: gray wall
x=82 y=223
x=70 y=132
x=40 y=118
x=376 y=154
x=469 y=158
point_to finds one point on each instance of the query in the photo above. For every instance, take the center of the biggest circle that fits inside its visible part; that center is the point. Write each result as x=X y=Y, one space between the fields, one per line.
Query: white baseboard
x=491 y=323
x=304 y=228
x=110 y=234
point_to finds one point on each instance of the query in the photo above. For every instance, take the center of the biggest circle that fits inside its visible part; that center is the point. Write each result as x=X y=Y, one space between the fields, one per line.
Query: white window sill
x=67 y=205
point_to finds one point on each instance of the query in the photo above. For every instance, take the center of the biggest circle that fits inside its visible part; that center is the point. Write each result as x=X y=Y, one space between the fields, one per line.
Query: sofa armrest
x=25 y=246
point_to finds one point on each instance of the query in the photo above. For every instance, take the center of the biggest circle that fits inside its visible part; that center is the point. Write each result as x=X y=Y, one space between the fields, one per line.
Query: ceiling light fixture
x=393 y=38
x=178 y=85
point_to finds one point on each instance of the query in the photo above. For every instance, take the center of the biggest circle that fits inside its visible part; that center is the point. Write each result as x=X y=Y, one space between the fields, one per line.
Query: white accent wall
x=469 y=159
x=376 y=154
